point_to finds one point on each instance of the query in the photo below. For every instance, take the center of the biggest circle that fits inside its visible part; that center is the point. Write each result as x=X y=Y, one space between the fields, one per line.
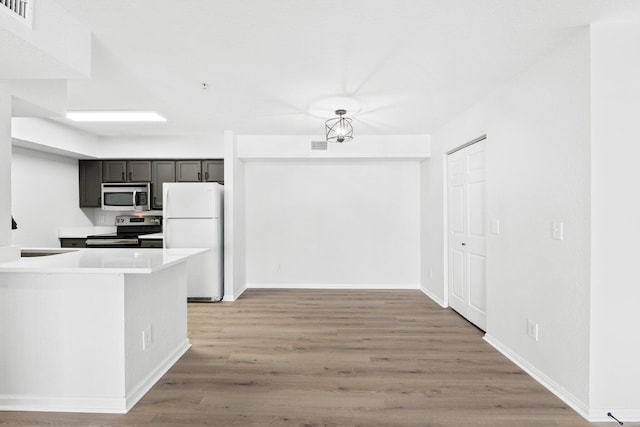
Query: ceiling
x=283 y=66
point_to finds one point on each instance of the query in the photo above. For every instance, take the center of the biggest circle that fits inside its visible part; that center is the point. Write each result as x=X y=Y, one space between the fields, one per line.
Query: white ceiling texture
x=284 y=66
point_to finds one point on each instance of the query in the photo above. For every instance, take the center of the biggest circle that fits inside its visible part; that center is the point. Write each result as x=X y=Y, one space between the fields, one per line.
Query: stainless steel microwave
x=127 y=196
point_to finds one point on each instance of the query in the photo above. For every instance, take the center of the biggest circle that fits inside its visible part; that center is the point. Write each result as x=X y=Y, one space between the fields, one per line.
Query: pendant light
x=339 y=129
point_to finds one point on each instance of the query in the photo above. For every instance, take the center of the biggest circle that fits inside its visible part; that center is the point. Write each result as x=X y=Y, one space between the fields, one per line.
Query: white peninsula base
x=92 y=341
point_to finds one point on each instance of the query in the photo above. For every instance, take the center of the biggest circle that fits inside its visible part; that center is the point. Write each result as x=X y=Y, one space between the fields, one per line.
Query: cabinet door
x=90 y=180
x=114 y=171
x=150 y=243
x=73 y=243
x=188 y=171
x=213 y=170
x=162 y=171
x=139 y=170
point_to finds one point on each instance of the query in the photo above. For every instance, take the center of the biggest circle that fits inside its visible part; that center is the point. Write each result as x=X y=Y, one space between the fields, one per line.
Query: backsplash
x=100 y=217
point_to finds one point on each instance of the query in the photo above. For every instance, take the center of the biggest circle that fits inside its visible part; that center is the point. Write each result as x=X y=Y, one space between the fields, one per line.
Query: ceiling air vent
x=19 y=9
x=318 y=145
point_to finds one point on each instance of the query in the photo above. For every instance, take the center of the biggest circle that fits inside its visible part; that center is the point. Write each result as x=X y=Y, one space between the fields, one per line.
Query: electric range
x=128 y=228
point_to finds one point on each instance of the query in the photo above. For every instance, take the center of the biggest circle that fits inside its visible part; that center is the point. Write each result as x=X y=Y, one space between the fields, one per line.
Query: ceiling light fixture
x=115 y=116
x=339 y=129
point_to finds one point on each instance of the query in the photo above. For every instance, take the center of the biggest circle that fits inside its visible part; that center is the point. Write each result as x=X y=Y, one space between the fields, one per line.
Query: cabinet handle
x=123 y=177
x=199 y=176
x=206 y=176
x=130 y=176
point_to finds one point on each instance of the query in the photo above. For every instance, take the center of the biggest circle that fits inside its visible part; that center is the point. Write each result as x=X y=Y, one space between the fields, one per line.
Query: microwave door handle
x=135 y=193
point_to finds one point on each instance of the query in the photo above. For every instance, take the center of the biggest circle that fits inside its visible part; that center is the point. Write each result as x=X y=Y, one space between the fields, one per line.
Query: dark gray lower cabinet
x=73 y=243
x=90 y=172
x=161 y=171
x=150 y=243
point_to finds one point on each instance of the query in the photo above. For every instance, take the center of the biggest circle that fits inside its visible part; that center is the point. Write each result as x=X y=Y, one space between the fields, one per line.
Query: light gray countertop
x=94 y=260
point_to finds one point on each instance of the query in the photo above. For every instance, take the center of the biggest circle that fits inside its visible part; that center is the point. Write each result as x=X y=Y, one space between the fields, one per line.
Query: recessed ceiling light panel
x=115 y=116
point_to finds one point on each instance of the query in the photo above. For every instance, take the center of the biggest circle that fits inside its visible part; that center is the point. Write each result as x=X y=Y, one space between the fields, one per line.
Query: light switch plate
x=532 y=330
x=495 y=226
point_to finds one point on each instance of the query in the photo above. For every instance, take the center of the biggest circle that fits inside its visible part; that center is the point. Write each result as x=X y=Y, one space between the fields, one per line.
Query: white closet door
x=467 y=233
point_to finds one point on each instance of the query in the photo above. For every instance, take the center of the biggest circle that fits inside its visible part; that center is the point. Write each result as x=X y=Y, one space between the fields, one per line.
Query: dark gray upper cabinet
x=126 y=171
x=200 y=170
x=139 y=170
x=94 y=172
x=114 y=171
x=188 y=170
x=90 y=179
x=213 y=170
x=161 y=171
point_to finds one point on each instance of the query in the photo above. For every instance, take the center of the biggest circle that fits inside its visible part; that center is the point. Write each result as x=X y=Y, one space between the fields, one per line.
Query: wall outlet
x=557 y=230
x=102 y=219
x=147 y=338
x=532 y=330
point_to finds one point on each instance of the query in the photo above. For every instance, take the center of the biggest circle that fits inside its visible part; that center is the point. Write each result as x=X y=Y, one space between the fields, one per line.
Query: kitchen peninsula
x=90 y=330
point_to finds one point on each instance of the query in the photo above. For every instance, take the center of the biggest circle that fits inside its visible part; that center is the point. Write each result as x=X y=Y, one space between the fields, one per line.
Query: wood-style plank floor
x=333 y=358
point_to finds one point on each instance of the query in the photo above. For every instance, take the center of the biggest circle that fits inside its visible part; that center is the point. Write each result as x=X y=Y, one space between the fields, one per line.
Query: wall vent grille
x=19 y=9
x=318 y=145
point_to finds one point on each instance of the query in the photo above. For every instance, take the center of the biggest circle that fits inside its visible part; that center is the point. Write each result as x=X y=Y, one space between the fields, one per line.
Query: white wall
x=343 y=218
x=538 y=154
x=234 y=220
x=53 y=137
x=615 y=341
x=6 y=253
x=44 y=197
x=361 y=147
x=161 y=147
x=332 y=224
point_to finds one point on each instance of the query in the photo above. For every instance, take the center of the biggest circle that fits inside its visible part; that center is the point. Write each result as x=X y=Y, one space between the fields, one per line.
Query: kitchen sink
x=43 y=252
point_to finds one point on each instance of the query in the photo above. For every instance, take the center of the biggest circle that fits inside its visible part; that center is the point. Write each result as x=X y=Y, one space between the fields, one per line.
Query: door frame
x=445 y=211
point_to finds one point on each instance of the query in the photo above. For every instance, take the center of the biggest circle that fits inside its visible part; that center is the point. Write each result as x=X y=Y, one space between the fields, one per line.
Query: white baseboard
x=104 y=405
x=576 y=404
x=332 y=286
x=149 y=381
x=435 y=298
x=235 y=296
x=624 y=415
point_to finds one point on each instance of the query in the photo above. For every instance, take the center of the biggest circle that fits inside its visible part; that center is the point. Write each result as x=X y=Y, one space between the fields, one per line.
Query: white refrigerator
x=192 y=218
